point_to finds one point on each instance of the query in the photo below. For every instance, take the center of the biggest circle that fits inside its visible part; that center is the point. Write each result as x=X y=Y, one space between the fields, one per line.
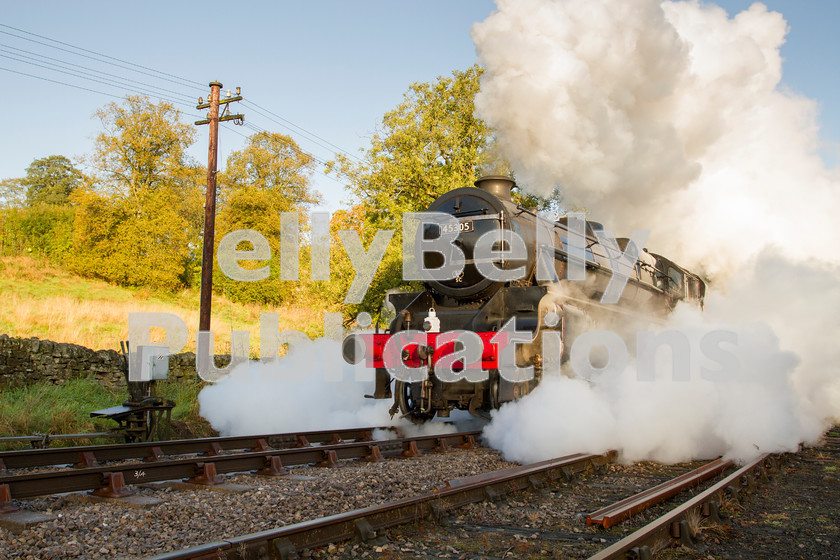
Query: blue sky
x=332 y=67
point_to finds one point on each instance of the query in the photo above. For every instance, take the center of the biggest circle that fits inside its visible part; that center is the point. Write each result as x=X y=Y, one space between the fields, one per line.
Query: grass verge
x=41 y=300
x=44 y=408
x=48 y=408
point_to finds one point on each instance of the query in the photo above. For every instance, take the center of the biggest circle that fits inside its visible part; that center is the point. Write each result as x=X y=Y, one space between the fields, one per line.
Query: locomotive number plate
x=460 y=227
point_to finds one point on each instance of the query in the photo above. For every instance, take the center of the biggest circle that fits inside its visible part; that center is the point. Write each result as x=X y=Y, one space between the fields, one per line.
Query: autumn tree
x=270 y=175
x=274 y=164
x=141 y=148
x=139 y=224
x=431 y=143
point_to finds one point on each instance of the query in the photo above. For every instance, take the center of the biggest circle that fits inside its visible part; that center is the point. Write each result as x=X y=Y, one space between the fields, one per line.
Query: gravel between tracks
x=795 y=516
x=188 y=518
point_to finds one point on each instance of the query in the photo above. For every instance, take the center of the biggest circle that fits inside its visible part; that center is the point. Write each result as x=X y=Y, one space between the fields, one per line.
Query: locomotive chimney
x=497 y=185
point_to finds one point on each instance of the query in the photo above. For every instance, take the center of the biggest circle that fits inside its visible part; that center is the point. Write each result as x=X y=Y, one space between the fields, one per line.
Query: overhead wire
x=323 y=163
x=272 y=116
x=107 y=83
x=245 y=104
x=61 y=64
x=106 y=78
x=289 y=124
x=315 y=158
x=259 y=129
x=62 y=83
x=162 y=75
x=112 y=80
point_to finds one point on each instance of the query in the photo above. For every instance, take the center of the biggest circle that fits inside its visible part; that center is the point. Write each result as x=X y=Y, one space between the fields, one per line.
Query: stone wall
x=30 y=360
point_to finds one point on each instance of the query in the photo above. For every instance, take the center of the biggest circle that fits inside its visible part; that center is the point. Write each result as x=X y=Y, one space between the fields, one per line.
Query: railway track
x=41 y=441
x=81 y=526
x=695 y=527
x=365 y=523
x=110 y=481
x=676 y=524
x=628 y=507
x=473 y=516
x=91 y=455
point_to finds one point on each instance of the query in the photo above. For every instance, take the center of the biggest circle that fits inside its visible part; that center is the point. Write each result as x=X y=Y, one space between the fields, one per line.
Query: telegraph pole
x=213 y=119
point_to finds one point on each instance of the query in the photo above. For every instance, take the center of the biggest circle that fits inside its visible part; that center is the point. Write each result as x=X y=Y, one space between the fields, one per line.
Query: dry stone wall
x=30 y=360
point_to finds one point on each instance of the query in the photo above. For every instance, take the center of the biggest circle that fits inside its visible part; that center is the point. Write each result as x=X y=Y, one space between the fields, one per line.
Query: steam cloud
x=291 y=394
x=670 y=116
x=310 y=388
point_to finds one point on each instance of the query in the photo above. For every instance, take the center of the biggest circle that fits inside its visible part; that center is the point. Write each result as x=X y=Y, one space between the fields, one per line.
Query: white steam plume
x=670 y=117
x=310 y=388
x=291 y=394
x=773 y=400
x=661 y=116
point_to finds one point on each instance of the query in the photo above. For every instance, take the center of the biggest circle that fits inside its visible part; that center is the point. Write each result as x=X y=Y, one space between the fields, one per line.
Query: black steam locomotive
x=472 y=301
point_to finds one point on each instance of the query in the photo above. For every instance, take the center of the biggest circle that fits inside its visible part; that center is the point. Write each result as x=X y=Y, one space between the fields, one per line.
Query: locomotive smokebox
x=497 y=185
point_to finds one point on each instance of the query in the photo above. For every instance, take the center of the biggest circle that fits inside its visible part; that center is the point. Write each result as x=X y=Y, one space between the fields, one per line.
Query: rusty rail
x=50 y=457
x=364 y=523
x=40 y=441
x=628 y=507
x=675 y=524
x=110 y=480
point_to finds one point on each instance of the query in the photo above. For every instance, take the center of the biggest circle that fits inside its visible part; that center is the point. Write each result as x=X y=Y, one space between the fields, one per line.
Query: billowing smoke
x=310 y=388
x=291 y=394
x=670 y=117
x=768 y=399
x=666 y=117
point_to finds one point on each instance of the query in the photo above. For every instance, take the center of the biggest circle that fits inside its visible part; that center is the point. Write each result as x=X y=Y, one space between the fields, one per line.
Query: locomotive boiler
x=537 y=290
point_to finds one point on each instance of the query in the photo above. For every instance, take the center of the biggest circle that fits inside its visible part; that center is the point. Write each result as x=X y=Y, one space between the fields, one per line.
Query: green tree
x=50 y=180
x=270 y=175
x=272 y=163
x=45 y=229
x=139 y=224
x=430 y=144
x=37 y=218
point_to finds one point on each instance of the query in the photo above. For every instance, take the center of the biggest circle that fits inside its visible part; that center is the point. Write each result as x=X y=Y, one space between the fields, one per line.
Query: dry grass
x=695 y=521
x=39 y=300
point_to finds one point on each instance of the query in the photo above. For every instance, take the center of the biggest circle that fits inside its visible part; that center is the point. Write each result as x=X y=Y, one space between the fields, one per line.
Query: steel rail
x=628 y=507
x=674 y=524
x=88 y=454
x=110 y=480
x=39 y=438
x=365 y=522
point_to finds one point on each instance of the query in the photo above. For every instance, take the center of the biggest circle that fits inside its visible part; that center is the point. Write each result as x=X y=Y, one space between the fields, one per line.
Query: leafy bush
x=43 y=230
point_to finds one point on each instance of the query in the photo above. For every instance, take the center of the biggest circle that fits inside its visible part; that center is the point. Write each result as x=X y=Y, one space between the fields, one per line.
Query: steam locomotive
x=471 y=301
